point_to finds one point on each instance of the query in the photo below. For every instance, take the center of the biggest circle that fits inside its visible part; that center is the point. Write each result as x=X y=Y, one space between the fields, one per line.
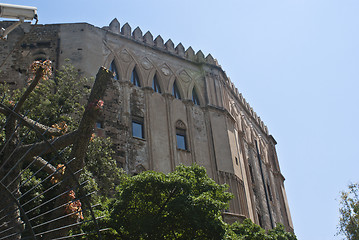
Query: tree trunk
x=84 y=133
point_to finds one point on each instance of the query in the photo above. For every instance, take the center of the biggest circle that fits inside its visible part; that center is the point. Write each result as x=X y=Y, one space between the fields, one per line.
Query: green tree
x=247 y=230
x=184 y=204
x=349 y=212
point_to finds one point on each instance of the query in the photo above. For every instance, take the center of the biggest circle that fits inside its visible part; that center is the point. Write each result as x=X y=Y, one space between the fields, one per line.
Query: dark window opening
x=181 y=139
x=260 y=220
x=138 y=129
x=43 y=44
x=155 y=85
x=175 y=91
x=251 y=173
x=99 y=125
x=134 y=78
x=40 y=59
x=269 y=193
x=195 y=98
x=236 y=160
x=113 y=69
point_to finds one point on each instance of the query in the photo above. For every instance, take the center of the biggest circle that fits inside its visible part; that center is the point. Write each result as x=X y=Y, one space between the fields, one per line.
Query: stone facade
x=169 y=106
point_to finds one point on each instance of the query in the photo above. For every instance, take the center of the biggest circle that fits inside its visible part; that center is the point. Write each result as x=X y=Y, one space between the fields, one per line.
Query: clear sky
x=296 y=63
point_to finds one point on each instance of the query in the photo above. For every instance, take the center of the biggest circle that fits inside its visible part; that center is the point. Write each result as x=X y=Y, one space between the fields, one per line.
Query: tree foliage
x=349 y=212
x=247 y=230
x=184 y=204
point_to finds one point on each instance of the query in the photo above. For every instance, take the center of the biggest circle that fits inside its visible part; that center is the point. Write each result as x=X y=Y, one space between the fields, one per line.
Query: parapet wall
x=188 y=54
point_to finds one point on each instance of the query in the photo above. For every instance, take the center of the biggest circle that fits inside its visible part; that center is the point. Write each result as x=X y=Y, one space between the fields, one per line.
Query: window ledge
x=138 y=138
x=183 y=150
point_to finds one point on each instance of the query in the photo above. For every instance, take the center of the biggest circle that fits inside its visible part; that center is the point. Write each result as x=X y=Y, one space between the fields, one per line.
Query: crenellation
x=233 y=88
x=200 y=56
x=210 y=60
x=126 y=30
x=180 y=50
x=137 y=34
x=170 y=46
x=115 y=26
x=254 y=115
x=159 y=42
x=148 y=38
x=189 y=54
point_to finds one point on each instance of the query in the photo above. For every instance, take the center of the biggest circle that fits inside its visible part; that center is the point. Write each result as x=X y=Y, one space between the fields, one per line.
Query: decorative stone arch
x=239 y=120
x=182 y=140
x=174 y=80
x=134 y=65
x=247 y=131
x=112 y=57
x=233 y=108
x=181 y=125
x=194 y=86
x=39 y=56
x=154 y=72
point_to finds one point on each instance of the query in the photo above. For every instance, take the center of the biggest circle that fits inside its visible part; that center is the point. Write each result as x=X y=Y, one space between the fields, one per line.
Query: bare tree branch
x=49 y=131
x=45 y=147
x=38 y=75
x=46 y=166
x=90 y=116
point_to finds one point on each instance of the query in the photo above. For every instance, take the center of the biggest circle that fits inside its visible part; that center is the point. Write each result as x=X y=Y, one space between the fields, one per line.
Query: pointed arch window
x=135 y=79
x=195 y=98
x=155 y=85
x=181 y=136
x=175 y=91
x=113 y=69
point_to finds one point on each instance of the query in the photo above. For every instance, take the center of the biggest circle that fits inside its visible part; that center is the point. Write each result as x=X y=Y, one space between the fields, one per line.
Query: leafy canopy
x=349 y=213
x=184 y=204
x=247 y=230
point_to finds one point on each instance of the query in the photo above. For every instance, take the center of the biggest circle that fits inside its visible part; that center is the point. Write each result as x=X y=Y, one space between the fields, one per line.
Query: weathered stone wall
x=223 y=133
x=24 y=45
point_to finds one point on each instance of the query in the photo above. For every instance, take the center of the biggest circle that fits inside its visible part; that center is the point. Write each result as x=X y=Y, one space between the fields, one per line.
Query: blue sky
x=296 y=63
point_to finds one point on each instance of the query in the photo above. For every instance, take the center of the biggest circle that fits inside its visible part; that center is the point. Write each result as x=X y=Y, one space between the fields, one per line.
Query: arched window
x=155 y=85
x=113 y=69
x=195 y=98
x=181 y=136
x=134 y=78
x=175 y=91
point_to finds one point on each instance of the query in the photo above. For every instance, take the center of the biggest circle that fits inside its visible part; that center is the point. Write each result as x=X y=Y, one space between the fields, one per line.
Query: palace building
x=169 y=106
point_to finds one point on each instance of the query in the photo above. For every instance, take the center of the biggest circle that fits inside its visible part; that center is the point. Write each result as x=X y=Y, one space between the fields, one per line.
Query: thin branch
x=46 y=166
x=38 y=75
x=49 y=131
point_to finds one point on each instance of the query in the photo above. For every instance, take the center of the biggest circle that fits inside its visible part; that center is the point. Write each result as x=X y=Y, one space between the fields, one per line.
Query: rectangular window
x=99 y=125
x=181 y=139
x=137 y=129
